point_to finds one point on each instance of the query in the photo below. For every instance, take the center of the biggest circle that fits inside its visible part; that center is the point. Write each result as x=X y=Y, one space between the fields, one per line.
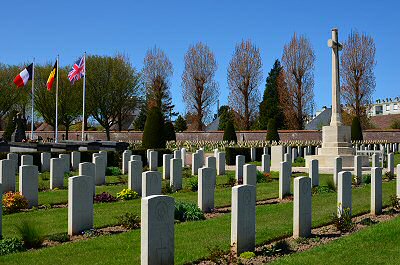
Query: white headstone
x=284 y=180
x=26 y=160
x=183 y=156
x=265 y=150
x=344 y=191
x=14 y=158
x=136 y=157
x=153 y=160
x=76 y=159
x=398 y=181
x=80 y=204
x=358 y=168
x=243 y=218
x=390 y=163
x=314 y=172
x=337 y=167
x=57 y=166
x=202 y=159
x=157 y=230
x=177 y=154
x=135 y=176
x=277 y=152
x=7 y=175
x=45 y=162
x=221 y=163
x=88 y=169
x=250 y=174
x=151 y=183
x=265 y=163
x=240 y=160
x=205 y=199
x=375 y=160
x=196 y=162
x=302 y=207
x=376 y=190
x=166 y=165
x=67 y=161
x=100 y=171
x=211 y=162
x=294 y=154
x=253 y=154
x=29 y=184
x=176 y=173
x=105 y=154
x=126 y=155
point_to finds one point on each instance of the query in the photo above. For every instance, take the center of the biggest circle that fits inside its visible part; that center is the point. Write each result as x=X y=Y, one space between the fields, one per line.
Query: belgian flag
x=52 y=75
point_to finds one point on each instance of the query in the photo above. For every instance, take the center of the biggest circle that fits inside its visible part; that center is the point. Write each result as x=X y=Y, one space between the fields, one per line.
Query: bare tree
x=298 y=62
x=156 y=72
x=244 y=77
x=357 y=72
x=200 y=90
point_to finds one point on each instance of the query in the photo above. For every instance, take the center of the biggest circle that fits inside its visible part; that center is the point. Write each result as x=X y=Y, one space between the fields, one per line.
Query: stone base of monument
x=336 y=142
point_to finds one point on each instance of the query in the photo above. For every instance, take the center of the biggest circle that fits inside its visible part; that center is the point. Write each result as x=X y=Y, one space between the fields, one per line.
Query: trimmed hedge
x=232 y=152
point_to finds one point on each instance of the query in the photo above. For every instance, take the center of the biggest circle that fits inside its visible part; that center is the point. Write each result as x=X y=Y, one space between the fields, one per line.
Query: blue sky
x=43 y=29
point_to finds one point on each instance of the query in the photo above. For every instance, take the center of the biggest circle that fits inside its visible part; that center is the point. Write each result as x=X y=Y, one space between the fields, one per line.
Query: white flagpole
x=56 y=124
x=33 y=97
x=84 y=98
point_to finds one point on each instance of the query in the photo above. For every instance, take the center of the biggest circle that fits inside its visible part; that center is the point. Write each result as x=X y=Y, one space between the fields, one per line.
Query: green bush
x=366 y=178
x=113 y=171
x=11 y=245
x=61 y=237
x=30 y=234
x=394 y=202
x=330 y=184
x=129 y=220
x=272 y=131
x=356 y=130
x=344 y=223
x=229 y=132
x=247 y=255
x=186 y=172
x=231 y=180
x=127 y=194
x=167 y=189
x=153 y=134
x=193 y=184
x=188 y=212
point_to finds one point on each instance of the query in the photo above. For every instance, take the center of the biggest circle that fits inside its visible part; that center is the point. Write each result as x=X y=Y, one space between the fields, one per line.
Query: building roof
x=322 y=119
x=384 y=121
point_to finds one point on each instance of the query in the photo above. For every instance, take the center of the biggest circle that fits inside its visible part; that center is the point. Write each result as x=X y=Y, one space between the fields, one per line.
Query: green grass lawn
x=396 y=159
x=192 y=239
x=378 y=244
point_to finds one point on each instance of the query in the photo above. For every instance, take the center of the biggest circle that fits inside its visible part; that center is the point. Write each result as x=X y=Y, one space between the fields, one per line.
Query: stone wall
x=285 y=135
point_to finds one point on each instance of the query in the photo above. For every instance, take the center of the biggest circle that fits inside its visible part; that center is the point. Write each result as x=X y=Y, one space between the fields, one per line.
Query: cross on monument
x=336 y=118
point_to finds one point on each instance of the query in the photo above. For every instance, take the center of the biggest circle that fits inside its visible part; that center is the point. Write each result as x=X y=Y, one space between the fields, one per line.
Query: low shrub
x=394 y=202
x=113 y=171
x=188 y=212
x=331 y=184
x=11 y=245
x=122 y=179
x=247 y=255
x=344 y=222
x=322 y=189
x=299 y=162
x=280 y=247
x=388 y=176
x=127 y=194
x=231 y=180
x=129 y=220
x=366 y=178
x=45 y=176
x=42 y=186
x=368 y=221
x=30 y=234
x=193 y=184
x=14 y=202
x=61 y=237
x=263 y=177
x=167 y=189
x=232 y=152
x=104 y=197
x=186 y=172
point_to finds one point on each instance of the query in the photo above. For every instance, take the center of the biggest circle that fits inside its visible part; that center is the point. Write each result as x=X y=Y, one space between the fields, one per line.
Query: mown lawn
x=192 y=239
x=378 y=244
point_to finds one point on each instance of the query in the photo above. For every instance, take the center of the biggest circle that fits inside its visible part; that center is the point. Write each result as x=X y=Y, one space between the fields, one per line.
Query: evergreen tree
x=269 y=106
x=180 y=124
x=356 y=130
x=229 y=132
x=141 y=119
x=225 y=115
x=153 y=134
x=272 y=134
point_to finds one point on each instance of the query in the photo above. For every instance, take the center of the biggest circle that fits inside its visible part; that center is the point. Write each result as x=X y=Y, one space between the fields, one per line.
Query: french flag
x=23 y=77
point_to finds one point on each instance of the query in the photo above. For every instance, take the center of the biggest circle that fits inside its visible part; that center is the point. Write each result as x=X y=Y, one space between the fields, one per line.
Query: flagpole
x=56 y=124
x=33 y=96
x=84 y=97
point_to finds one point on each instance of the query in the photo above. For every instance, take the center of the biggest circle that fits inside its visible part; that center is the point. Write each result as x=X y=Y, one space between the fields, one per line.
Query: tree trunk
x=66 y=131
x=108 y=133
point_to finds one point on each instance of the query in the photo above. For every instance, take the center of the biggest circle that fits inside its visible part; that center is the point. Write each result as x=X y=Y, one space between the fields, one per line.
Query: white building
x=385 y=107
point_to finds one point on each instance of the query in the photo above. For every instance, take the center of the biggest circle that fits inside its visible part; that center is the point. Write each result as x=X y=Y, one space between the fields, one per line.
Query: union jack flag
x=77 y=71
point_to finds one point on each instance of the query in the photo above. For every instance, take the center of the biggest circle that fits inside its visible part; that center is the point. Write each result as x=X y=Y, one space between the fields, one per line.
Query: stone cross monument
x=336 y=118
x=336 y=138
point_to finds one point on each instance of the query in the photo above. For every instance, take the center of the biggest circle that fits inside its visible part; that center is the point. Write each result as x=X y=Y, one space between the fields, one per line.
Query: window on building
x=387 y=107
x=395 y=107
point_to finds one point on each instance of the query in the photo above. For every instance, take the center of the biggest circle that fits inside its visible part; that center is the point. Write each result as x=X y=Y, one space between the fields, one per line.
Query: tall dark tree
x=154 y=134
x=180 y=124
x=269 y=106
x=225 y=115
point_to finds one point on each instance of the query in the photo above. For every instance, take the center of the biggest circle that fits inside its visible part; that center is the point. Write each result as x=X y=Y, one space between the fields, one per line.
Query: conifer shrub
x=229 y=132
x=356 y=130
x=169 y=132
x=153 y=134
x=272 y=133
